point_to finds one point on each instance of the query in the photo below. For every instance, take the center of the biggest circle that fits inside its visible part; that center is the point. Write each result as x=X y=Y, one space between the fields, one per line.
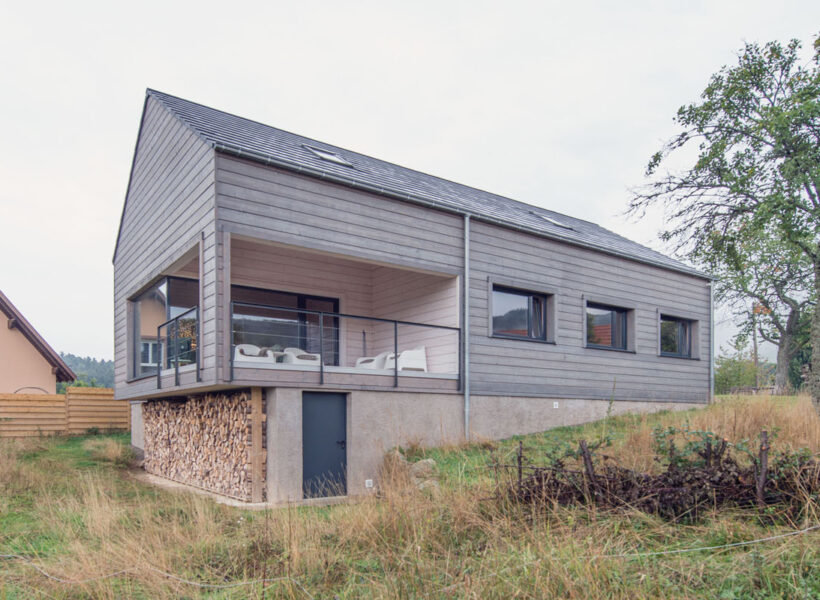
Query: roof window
x=551 y=220
x=327 y=155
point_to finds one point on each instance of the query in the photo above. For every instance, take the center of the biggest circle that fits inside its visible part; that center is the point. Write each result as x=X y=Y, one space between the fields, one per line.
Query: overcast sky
x=554 y=103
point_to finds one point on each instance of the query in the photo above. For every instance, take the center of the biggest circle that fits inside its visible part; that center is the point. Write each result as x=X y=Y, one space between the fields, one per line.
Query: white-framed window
x=149 y=353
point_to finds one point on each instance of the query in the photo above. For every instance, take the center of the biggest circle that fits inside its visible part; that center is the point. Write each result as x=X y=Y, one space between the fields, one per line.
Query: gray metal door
x=324 y=444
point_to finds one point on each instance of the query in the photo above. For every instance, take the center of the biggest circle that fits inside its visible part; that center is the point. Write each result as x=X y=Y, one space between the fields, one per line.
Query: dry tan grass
x=108 y=450
x=790 y=420
x=404 y=544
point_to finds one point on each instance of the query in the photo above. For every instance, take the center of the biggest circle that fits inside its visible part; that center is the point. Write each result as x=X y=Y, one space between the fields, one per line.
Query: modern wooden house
x=28 y=365
x=286 y=310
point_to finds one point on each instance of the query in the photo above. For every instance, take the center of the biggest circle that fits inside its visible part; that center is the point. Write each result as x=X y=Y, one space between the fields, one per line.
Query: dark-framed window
x=606 y=326
x=289 y=326
x=519 y=314
x=676 y=337
x=167 y=298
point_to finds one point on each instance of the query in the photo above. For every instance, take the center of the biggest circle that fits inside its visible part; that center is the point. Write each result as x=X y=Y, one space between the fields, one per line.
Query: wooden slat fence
x=76 y=411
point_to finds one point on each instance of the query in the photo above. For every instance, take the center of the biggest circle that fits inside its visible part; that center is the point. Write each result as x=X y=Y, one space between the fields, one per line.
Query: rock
x=395 y=457
x=422 y=469
x=431 y=486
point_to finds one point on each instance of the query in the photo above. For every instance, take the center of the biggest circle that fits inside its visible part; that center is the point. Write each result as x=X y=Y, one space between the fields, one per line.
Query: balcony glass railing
x=178 y=344
x=265 y=336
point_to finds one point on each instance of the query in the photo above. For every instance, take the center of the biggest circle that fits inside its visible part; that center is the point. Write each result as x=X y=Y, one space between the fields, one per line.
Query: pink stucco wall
x=21 y=365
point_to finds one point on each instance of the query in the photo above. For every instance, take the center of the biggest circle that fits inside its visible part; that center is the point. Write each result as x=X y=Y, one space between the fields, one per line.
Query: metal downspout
x=465 y=299
x=711 y=341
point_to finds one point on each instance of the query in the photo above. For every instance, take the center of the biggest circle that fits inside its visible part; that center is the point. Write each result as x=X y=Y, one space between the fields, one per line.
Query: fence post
x=520 y=459
x=67 y=410
x=763 y=464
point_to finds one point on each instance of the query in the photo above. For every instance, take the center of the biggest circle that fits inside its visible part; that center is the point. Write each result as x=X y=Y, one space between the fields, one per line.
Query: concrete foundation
x=378 y=421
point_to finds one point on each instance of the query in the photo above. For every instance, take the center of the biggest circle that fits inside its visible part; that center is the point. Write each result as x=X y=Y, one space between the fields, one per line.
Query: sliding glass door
x=277 y=320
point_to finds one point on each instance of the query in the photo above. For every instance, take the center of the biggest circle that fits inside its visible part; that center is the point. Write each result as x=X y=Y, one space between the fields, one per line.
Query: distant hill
x=91 y=372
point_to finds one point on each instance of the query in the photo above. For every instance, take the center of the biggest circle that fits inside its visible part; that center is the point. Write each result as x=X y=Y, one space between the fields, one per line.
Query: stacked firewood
x=204 y=441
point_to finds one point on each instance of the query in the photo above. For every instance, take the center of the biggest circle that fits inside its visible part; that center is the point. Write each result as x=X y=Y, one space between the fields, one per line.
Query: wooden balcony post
x=257 y=451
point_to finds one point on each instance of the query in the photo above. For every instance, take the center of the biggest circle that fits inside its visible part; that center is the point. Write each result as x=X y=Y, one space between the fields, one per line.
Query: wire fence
x=132 y=570
x=249 y=582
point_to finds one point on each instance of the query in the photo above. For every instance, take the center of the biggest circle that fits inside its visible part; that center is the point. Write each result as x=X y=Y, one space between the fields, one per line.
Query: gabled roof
x=248 y=139
x=16 y=320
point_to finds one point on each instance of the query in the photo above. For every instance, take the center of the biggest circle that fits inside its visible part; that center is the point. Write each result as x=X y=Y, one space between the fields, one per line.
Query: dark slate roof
x=255 y=141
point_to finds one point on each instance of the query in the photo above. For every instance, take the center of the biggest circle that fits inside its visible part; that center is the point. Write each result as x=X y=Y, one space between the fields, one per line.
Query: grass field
x=70 y=505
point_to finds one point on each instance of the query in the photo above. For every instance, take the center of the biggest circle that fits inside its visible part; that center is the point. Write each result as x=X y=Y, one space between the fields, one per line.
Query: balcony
x=177 y=346
x=327 y=347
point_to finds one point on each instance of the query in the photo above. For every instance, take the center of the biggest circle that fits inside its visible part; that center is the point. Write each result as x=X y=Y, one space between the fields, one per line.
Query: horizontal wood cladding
x=75 y=412
x=567 y=369
x=169 y=202
x=270 y=204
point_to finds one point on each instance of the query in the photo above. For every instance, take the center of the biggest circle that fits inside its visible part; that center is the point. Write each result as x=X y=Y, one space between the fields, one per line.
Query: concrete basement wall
x=378 y=421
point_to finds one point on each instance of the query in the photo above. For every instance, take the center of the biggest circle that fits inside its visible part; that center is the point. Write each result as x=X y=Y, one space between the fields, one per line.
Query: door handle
x=342 y=444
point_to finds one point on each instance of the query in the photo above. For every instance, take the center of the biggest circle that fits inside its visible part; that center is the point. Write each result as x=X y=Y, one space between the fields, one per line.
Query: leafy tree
x=767 y=285
x=756 y=135
x=799 y=364
x=736 y=369
x=91 y=372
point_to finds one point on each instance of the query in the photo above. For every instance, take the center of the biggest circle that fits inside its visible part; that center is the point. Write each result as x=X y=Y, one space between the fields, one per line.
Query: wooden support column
x=257 y=451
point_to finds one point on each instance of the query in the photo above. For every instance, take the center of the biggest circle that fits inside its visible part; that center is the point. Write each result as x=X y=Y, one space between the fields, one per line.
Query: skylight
x=327 y=155
x=551 y=220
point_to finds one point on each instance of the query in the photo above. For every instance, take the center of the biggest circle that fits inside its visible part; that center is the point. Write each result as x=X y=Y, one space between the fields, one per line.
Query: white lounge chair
x=372 y=362
x=297 y=356
x=409 y=360
x=252 y=353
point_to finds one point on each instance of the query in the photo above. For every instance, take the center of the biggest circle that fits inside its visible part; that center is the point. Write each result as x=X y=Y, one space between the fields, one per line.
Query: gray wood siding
x=418 y=298
x=270 y=204
x=182 y=194
x=169 y=205
x=567 y=369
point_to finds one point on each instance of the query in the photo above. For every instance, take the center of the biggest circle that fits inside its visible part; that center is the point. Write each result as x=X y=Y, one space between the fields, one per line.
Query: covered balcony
x=313 y=318
x=297 y=317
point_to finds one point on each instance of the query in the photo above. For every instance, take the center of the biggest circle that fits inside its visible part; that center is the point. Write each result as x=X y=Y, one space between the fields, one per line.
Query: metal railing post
x=395 y=354
x=175 y=330
x=231 y=349
x=159 y=358
x=321 y=348
x=198 y=347
x=460 y=363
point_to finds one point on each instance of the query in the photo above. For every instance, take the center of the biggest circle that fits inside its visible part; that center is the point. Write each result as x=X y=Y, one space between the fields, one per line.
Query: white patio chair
x=372 y=362
x=409 y=360
x=297 y=356
x=252 y=353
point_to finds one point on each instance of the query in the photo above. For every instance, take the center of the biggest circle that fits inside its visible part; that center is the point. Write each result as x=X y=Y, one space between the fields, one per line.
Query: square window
x=676 y=337
x=606 y=326
x=519 y=314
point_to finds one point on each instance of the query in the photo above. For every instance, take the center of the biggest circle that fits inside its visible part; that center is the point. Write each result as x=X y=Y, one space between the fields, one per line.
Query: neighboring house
x=28 y=365
x=361 y=305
